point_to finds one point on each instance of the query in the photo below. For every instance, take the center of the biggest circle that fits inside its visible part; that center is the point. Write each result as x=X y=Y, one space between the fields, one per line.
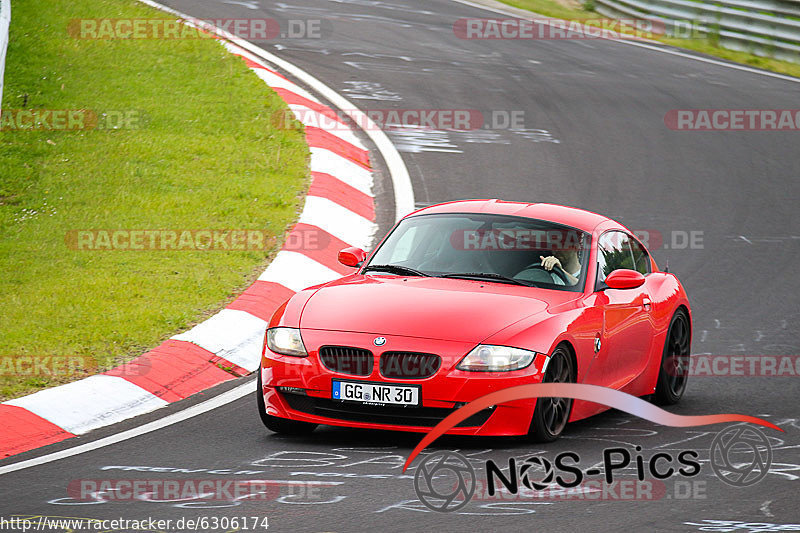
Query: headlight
x=286 y=341
x=488 y=358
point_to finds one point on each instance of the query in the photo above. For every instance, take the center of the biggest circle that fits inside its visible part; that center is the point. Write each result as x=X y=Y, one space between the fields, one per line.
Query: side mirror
x=352 y=257
x=624 y=279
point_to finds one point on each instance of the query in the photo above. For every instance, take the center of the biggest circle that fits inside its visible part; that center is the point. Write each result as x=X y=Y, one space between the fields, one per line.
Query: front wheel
x=551 y=414
x=279 y=425
x=674 y=372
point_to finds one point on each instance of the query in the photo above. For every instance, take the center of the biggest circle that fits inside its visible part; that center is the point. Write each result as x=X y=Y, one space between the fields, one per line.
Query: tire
x=551 y=414
x=674 y=370
x=275 y=424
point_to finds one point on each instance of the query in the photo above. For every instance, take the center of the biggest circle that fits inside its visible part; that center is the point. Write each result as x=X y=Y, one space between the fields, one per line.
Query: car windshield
x=492 y=248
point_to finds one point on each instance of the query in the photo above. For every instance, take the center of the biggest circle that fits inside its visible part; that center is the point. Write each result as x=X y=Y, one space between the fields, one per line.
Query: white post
x=5 y=21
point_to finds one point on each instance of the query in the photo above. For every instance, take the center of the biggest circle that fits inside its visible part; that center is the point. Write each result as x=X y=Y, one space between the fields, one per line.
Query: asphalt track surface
x=604 y=103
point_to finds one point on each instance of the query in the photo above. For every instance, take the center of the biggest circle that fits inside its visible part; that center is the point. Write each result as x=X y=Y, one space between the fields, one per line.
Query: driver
x=567 y=260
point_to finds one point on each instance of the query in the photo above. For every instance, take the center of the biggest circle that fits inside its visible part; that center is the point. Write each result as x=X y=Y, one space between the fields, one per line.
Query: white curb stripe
x=296 y=271
x=339 y=221
x=309 y=117
x=323 y=160
x=234 y=335
x=90 y=403
x=223 y=399
x=273 y=80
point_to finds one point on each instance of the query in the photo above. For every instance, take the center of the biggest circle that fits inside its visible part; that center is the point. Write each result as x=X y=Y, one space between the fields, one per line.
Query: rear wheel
x=279 y=425
x=551 y=414
x=674 y=372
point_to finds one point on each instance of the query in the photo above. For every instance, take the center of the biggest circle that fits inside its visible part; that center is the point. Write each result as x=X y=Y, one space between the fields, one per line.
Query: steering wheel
x=556 y=269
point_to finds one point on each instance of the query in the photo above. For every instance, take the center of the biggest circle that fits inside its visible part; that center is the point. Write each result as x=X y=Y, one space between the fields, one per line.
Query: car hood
x=433 y=308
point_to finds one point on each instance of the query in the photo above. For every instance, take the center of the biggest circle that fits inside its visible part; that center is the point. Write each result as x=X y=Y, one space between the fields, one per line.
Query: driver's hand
x=550 y=261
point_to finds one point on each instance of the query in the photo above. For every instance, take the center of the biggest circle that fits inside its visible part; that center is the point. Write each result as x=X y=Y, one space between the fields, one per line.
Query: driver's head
x=565 y=244
x=565 y=255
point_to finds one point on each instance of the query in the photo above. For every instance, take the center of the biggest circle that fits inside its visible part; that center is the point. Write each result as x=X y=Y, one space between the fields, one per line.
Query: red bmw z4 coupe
x=465 y=298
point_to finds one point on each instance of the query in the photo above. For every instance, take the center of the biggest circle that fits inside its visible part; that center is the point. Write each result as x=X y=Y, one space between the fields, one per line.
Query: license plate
x=375 y=393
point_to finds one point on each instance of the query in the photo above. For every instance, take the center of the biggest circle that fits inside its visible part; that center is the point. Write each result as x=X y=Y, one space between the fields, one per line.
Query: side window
x=641 y=259
x=614 y=252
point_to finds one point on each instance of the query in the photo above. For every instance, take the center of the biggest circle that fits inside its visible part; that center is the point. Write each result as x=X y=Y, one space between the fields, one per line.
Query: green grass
x=709 y=46
x=206 y=157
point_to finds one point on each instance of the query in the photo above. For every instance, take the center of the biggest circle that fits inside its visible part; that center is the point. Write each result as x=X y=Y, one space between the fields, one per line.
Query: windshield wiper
x=488 y=275
x=396 y=269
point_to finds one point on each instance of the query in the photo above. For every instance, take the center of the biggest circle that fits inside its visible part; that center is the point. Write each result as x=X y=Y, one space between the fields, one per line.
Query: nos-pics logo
x=445 y=481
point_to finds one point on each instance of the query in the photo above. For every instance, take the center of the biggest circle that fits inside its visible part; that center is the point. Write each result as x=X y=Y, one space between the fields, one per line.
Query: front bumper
x=299 y=388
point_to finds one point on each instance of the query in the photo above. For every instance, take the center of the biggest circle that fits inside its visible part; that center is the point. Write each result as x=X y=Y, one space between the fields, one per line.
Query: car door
x=627 y=330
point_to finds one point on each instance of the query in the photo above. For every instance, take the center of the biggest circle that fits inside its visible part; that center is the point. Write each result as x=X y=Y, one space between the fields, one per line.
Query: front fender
x=288 y=314
x=542 y=332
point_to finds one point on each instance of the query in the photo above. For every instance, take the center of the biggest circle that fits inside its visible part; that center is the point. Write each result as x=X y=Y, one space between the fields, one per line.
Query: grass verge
x=708 y=46
x=197 y=150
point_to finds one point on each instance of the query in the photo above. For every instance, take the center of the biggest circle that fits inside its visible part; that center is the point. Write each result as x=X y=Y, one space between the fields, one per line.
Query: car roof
x=570 y=216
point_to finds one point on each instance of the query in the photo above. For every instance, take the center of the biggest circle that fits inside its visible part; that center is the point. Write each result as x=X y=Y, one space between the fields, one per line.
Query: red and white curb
x=339 y=209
